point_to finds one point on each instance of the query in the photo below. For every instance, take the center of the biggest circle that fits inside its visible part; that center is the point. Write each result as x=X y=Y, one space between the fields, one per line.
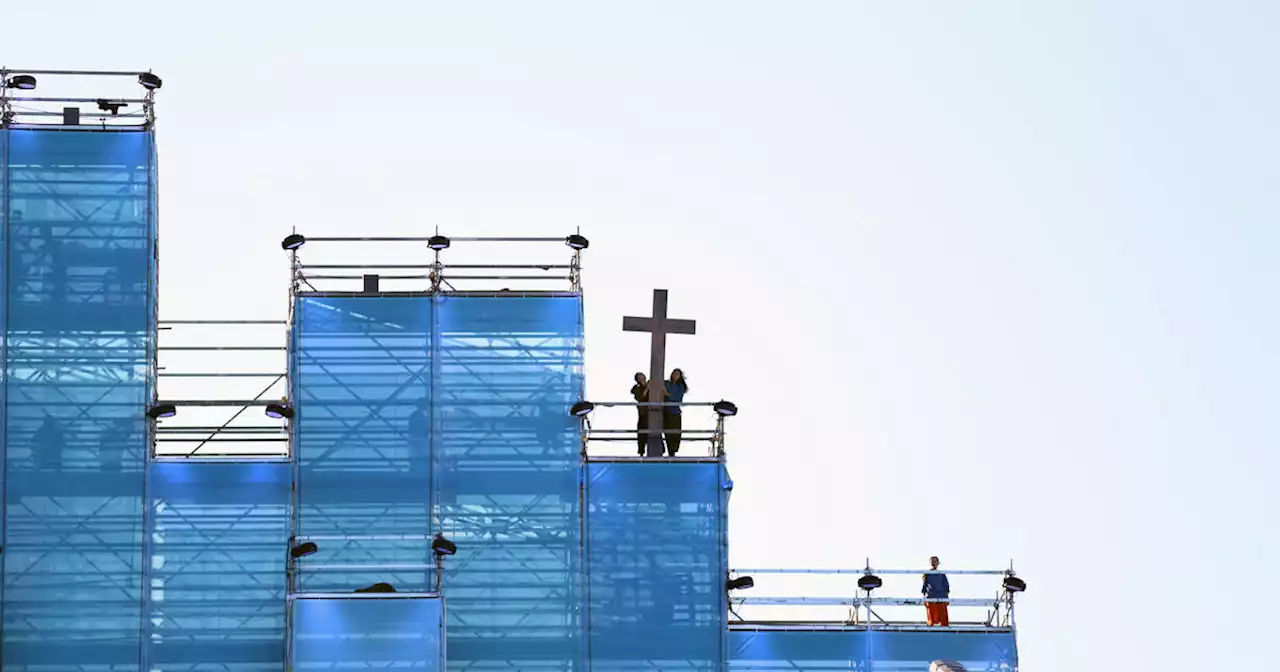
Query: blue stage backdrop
x=880 y=651
x=507 y=485
x=219 y=532
x=79 y=238
x=368 y=632
x=656 y=565
x=362 y=372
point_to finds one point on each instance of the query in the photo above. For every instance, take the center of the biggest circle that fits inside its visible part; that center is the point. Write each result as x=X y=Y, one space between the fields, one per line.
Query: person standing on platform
x=936 y=587
x=671 y=419
x=640 y=392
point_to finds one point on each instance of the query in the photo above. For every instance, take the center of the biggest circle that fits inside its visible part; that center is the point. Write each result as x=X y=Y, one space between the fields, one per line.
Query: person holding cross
x=676 y=386
x=658 y=326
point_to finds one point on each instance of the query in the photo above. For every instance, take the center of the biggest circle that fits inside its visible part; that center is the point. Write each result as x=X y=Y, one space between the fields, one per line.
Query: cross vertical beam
x=658 y=325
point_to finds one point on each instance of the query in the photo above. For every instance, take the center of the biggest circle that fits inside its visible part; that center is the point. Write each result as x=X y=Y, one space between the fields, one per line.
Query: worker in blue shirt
x=936 y=587
x=676 y=387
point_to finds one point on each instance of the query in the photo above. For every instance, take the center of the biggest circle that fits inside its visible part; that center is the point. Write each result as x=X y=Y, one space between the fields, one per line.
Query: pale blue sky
x=988 y=280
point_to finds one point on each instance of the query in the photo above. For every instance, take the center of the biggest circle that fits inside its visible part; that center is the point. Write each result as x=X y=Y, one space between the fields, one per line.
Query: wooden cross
x=659 y=325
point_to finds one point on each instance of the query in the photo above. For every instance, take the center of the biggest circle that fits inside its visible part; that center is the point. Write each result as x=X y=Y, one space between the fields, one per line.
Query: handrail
x=872 y=570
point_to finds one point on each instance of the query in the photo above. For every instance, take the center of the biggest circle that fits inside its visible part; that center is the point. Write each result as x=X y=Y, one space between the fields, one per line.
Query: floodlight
x=725 y=408
x=22 y=82
x=377 y=588
x=442 y=546
x=304 y=549
x=581 y=409
x=740 y=583
x=279 y=410
x=869 y=582
x=438 y=242
x=293 y=241
x=157 y=411
x=1014 y=585
x=149 y=81
x=577 y=242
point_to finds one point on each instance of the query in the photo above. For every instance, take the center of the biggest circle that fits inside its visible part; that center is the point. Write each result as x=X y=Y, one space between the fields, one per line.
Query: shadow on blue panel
x=881 y=651
x=363 y=632
x=362 y=372
x=656 y=565
x=219 y=539
x=506 y=454
x=79 y=232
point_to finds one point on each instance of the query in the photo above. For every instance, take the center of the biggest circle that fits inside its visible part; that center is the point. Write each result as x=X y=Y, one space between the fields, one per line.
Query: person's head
x=640 y=379
x=933 y=562
x=17 y=215
x=677 y=376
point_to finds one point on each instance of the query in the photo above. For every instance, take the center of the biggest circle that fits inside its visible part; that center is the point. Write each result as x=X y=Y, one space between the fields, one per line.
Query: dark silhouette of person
x=419 y=439
x=640 y=392
x=676 y=386
x=47 y=445
x=115 y=444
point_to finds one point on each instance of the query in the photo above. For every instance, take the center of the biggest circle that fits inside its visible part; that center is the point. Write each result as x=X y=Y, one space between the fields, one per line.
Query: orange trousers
x=936 y=613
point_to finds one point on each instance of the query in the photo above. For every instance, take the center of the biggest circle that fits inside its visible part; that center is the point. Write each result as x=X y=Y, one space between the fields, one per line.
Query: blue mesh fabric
x=656 y=565
x=954 y=649
x=362 y=381
x=882 y=651
x=356 y=633
x=219 y=531
x=797 y=651
x=508 y=479
x=79 y=235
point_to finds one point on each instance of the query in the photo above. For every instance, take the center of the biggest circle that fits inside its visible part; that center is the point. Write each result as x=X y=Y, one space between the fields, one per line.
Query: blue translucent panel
x=362 y=383
x=366 y=632
x=80 y=238
x=798 y=650
x=939 y=650
x=217 y=579
x=656 y=565
x=946 y=650
x=508 y=479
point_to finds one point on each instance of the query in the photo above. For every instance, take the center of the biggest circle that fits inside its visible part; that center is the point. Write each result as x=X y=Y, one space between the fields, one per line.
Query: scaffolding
x=418 y=391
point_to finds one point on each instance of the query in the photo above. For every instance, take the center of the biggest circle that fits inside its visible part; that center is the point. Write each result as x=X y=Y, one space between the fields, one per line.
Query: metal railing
x=842 y=603
x=19 y=109
x=418 y=264
x=709 y=439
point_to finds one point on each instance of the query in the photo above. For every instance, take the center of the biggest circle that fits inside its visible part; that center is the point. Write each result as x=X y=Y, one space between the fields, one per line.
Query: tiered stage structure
x=420 y=407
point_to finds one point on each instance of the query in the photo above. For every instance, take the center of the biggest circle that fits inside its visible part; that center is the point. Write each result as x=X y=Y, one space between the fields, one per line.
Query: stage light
x=442 y=546
x=377 y=588
x=869 y=582
x=740 y=583
x=438 y=242
x=149 y=81
x=157 y=411
x=581 y=409
x=279 y=410
x=112 y=106
x=22 y=82
x=1014 y=585
x=725 y=408
x=293 y=241
x=303 y=550
x=577 y=242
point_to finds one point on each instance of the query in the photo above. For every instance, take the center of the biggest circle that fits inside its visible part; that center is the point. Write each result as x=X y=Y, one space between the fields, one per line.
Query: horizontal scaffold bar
x=860 y=572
